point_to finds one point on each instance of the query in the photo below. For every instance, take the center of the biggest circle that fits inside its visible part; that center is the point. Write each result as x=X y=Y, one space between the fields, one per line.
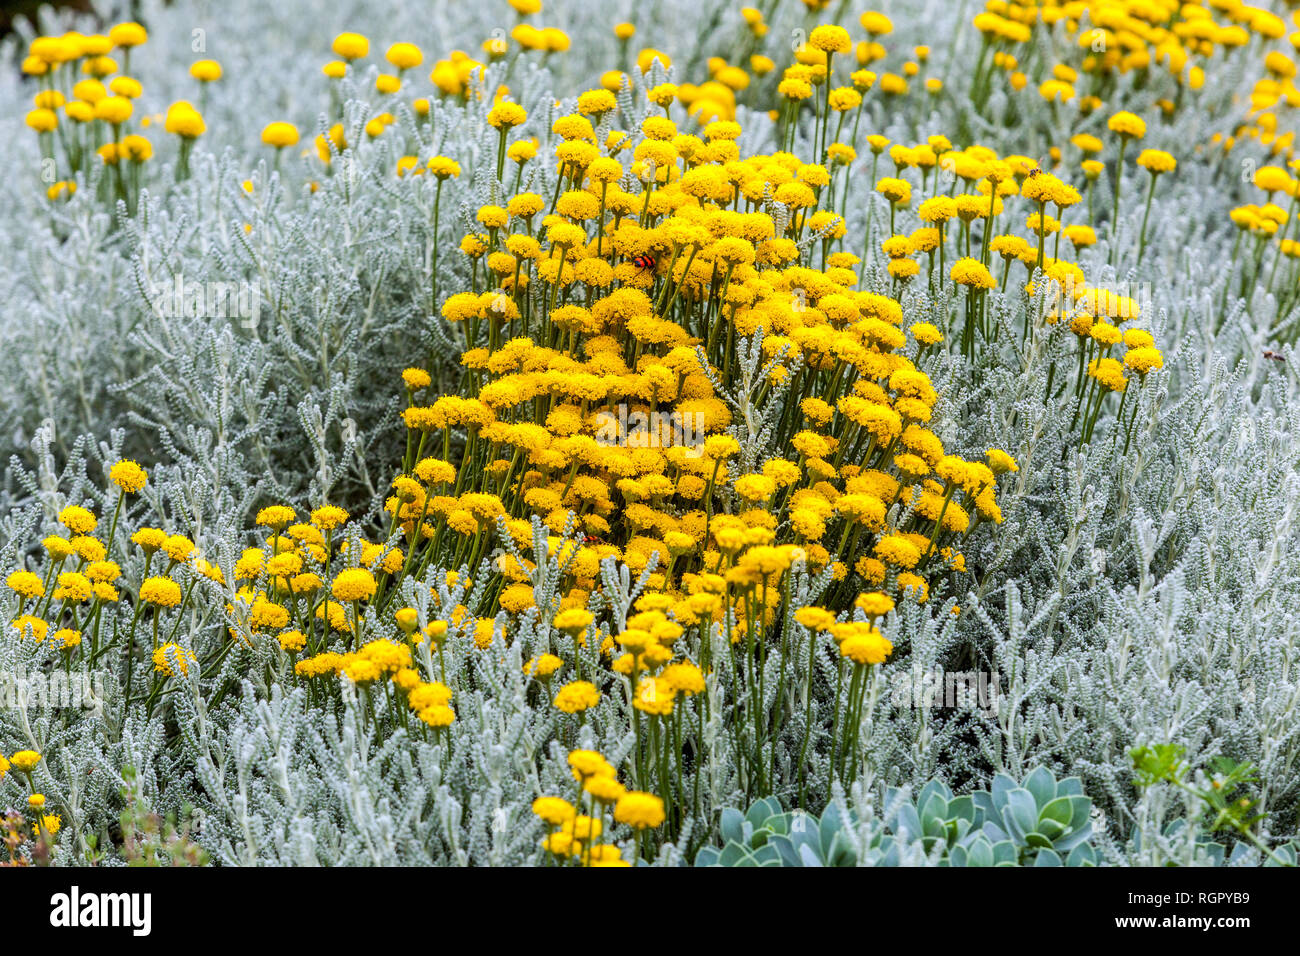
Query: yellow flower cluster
x=384 y=660
x=639 y=291
x=93 y=114
x=1096 y=43
x=574 y=836
x=79 y=581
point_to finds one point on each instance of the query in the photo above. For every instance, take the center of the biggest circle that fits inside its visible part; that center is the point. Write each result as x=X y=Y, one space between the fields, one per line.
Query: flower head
x=280 y=135
x=577 y=696
x=354 y=584
x=351 y=46
x=1156 y=161
x=639 y=810
x=1128 y=125
x=160 y=591
x=26 y=583
x=25 y=761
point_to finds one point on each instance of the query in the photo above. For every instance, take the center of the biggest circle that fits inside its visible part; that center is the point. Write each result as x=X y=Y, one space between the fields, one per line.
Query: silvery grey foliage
x=1130 y=597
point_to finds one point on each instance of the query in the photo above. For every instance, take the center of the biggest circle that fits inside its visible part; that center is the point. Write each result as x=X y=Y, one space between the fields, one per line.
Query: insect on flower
x=1275 y=356
x=644 y=263
x=1037 y=168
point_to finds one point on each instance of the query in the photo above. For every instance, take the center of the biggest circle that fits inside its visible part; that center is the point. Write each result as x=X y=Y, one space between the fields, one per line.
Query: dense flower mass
x=648 y=428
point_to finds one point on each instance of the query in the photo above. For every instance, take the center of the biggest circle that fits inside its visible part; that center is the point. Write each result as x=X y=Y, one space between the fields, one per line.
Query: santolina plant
x=607 y=456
